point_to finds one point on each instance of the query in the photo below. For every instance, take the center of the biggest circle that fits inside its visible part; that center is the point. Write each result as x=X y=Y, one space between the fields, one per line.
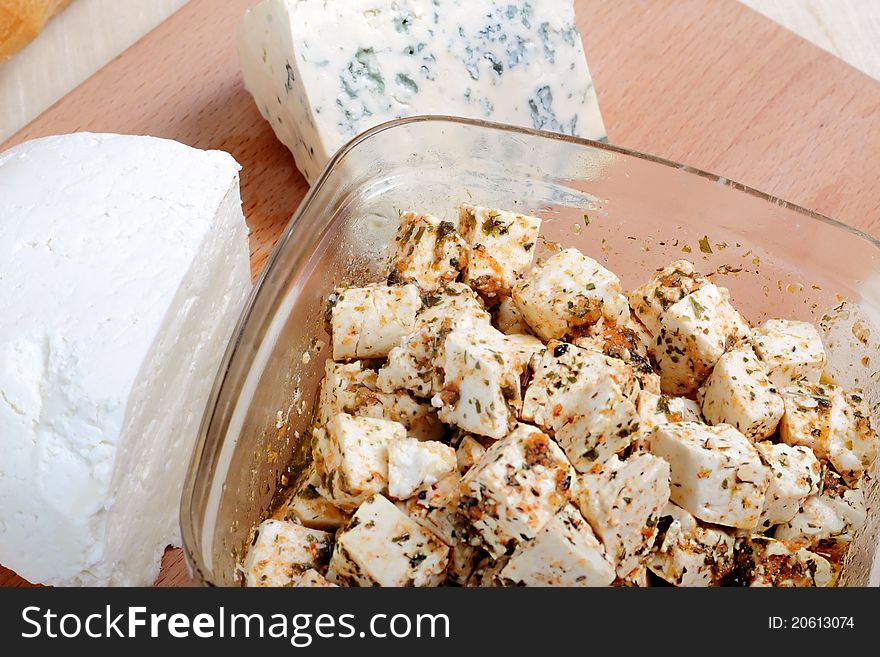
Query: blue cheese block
x=511 y=61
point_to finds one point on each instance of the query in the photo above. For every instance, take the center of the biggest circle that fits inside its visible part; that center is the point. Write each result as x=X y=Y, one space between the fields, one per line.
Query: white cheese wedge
x=123 y=268
x=513 y=61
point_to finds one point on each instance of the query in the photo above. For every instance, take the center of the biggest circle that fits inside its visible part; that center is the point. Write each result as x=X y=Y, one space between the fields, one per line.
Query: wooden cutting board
x=705 y=82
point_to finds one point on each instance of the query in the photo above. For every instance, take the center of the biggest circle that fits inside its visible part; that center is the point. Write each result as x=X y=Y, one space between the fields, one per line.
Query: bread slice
x=22 y=20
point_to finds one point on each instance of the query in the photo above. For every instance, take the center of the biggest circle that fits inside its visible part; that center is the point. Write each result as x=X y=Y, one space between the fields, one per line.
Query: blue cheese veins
x=513 y=61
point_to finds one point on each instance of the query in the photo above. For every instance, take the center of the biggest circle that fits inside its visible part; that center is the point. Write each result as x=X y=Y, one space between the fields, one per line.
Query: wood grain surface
x=708 y=83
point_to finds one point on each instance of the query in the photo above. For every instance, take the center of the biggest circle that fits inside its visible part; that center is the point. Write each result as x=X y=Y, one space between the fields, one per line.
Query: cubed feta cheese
x=382 y=546
x=627 y=340
x=565 y=552
x=738 y=392
x=340 y=387
x=693 y=335
x=522 y=348
x=414 y=464
x=426 y=251
x=622 y=501
x=411 y=365
x=762 y=561
x=306 y=506
x=351 y=456
x=435 y=508
x=509 y=320
x=440 y=521
x=833 y=423
x=835 y=513
x=568 y=293
x=481 y=381
x=585 y=399
x=281 y=552
x=348 y=388
x=313 y=579
x=502 y=247
x=367 y=322
x=656 y=409
x=667 y=287
x=469 y=453
x=792 y=351
x=440 y=494
x=717 y=473
x=794 y=475
x=687 y=553
x=515 y=489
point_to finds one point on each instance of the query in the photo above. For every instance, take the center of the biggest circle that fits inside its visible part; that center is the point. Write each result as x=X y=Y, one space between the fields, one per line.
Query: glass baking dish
x=632 y=212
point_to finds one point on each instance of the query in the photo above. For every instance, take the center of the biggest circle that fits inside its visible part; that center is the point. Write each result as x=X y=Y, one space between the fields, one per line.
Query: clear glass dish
x=630 y=211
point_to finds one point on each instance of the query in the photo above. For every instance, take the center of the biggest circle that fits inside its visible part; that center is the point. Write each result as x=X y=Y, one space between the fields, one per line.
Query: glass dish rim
x=191 y=540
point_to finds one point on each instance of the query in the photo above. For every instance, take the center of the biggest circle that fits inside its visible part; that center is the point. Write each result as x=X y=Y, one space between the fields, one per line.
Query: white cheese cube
x=368 y=322
x=309 y=508
x=565 y=552
x=656 y=409
x=509 y=320
x=694 y=333
x=567 y=293
x=418 y=417
x=667 y=287
x=833 y=423
x=522 y=348
x=585 y=399
x=411 y=365
x=502 y=247
x=717 y=473
x=794 y=475
x=764 y=562
x=313 y=579
x=738 y=392
x=512 y=61
x=351 y=456
x=622 y=501
x=413 y=465
x=281 y=552
x=436 y=509
x=124 y=266
x=340 y=387
x=348 y=388
x=382 y=546
x=627 y=340
x=426 y=251
x=517 y=487
x=481 y=381
x=687 y=554
x=835 y=513
x=792 y=351
x=441 y=494
x=469 y=453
